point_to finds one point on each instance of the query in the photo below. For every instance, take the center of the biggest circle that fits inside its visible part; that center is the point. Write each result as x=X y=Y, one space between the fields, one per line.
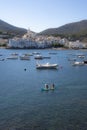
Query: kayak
x=52 y=88
x=45 y=89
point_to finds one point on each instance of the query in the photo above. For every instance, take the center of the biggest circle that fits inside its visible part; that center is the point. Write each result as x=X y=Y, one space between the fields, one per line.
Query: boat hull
x=46 y=66
x=43 y=67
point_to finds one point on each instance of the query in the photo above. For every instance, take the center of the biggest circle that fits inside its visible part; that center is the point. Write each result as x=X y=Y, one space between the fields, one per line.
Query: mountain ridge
x=6 y=27
x=72 y=28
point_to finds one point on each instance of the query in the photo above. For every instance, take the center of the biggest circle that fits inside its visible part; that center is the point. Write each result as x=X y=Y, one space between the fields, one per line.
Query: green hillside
x=74 y=31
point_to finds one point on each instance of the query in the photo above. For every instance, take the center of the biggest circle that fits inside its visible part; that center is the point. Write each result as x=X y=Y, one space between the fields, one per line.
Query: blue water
x=23 y=106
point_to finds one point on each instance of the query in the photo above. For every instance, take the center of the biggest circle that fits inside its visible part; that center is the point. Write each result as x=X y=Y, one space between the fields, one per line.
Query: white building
x=31 y=40
x=76 y=44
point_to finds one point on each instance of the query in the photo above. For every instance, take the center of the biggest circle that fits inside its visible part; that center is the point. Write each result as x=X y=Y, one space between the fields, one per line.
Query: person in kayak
x=46 y=86
x=52 y=86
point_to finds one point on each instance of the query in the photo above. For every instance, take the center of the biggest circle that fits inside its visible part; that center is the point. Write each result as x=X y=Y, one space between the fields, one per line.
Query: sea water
x=23 y=106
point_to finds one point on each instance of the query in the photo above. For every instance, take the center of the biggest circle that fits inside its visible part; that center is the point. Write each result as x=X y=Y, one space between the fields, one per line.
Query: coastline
x=2 y=47
x=60 y=48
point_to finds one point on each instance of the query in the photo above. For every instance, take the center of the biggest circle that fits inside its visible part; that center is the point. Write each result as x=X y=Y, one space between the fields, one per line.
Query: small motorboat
x=81 y=56
x=35 y=53
x=77 y=63
x=28 y=54
x=24 y=57
x=14 y=54
x=46 y=66
x=12 y=57
x=38 y=57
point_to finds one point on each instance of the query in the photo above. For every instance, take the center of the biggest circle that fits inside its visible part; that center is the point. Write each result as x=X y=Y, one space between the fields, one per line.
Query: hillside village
x=71 y=35
x=32 y=40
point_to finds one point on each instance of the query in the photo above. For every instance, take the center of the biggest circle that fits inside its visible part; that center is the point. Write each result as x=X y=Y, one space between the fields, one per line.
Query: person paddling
x=46 y=86
x=52 y=86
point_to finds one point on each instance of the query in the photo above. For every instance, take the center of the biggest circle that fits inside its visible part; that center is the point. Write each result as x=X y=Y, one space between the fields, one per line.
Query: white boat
x=41 y=57
x=38 y=57
x=46 y=66
x=35 y=53
x=12 y=57
x=81 y=56
x=24 y=57
x=28 y=54
x=14 y=54
x=77 y=63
